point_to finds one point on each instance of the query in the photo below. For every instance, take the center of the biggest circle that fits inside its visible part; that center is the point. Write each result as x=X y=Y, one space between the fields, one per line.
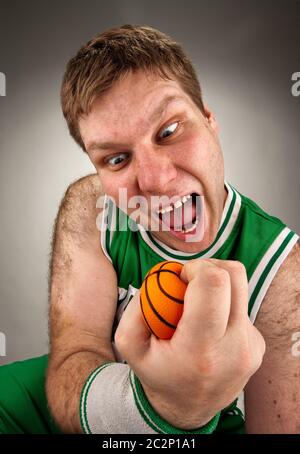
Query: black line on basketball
x=155 y=311
x=146 y=319
x=160 y=268
x=173 y=298
x=176 y=300
x=167 y=263
x=161 y=271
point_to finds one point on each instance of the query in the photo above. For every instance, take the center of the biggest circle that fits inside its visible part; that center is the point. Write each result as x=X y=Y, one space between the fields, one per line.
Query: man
x=133 y=103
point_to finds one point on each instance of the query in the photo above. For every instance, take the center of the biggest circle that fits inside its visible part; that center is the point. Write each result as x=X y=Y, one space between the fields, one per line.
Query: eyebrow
x=155 y=115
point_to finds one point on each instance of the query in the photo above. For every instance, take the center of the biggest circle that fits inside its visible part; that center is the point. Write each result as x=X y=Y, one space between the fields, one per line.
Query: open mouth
x=183 y=216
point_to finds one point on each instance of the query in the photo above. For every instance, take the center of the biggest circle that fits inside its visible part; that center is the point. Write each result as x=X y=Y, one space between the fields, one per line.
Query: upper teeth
x=177 y=204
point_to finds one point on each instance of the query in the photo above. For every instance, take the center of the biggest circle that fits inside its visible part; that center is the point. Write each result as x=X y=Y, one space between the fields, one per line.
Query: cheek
x=191 y=153
x=207 y=150
x=116 y=184
x=201 y=156
x=109 y=183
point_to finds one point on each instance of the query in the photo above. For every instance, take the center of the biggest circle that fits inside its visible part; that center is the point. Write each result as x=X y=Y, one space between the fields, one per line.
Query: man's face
x=145 y=134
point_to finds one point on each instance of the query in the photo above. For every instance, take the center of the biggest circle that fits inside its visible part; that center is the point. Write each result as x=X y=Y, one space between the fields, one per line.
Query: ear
x=211 y=119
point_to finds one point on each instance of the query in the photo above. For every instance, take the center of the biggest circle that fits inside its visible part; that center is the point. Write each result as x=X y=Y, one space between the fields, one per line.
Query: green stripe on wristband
x=83 y=397
x=155 y=421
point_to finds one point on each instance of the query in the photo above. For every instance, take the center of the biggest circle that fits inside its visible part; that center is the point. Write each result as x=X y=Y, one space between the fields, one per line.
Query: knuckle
x=191 y=266
x=216 y=277
x=257 y=362
x=259 y=352
x=263 y=345
x=236 y=267
x=250 y=361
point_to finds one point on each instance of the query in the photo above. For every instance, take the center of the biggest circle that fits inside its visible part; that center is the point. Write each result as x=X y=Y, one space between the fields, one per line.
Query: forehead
x=137 y=90
x=131 y=100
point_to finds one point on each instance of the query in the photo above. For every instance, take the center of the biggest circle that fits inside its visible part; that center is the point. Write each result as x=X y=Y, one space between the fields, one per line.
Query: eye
x=114 y=161
x=168 y=131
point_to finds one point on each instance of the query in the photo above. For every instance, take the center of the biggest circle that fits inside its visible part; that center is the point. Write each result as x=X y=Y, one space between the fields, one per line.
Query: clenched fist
x=213 y=353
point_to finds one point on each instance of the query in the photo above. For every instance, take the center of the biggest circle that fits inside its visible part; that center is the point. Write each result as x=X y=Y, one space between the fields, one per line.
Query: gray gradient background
x=245 y=54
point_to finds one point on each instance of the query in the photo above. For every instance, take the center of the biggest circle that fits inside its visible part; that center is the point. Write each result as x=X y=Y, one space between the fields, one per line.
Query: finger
x=132 y=336
x=239 y=289
x=206 y=303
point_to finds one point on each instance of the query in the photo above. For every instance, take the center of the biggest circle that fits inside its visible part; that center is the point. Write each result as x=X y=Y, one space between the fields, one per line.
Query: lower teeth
x=191 y=228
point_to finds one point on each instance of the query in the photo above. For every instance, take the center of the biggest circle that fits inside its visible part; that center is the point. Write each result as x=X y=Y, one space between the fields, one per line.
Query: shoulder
x=280 y=309
x=85 y=188
x=80 y=197
x=78 y=205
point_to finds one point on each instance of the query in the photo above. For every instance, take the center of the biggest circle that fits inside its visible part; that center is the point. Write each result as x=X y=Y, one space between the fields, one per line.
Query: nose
x=154 y=171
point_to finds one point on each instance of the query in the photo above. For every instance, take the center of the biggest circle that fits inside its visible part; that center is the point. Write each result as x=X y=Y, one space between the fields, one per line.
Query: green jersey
x=246 y=233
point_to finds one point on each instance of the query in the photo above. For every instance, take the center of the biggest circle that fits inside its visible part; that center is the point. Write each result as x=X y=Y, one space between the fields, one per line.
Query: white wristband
x=108 y=405
x=113 y=402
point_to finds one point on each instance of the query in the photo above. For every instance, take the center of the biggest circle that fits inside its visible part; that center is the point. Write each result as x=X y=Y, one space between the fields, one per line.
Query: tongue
x=183 y=216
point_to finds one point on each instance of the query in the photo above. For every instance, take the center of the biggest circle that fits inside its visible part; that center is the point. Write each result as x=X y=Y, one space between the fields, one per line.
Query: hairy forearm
x=65 y=380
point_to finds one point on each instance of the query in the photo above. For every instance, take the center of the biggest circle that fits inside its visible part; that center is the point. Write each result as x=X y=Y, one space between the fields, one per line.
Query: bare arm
x=273 y=393
x=83 y=305
x=83 y=297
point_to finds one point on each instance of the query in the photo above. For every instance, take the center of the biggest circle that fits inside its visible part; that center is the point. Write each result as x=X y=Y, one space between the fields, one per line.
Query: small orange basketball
x=162 y=297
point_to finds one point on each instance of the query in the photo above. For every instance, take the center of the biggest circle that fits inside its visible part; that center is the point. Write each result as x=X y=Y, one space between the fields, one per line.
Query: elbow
x=62 y=402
